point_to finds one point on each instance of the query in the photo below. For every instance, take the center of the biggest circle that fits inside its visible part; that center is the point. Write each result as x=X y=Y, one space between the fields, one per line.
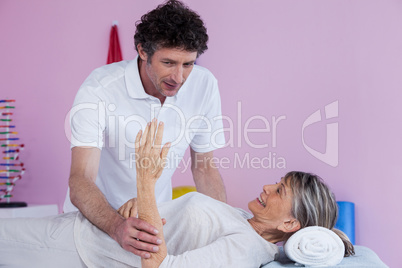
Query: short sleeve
x=210 y=133
x=87 y=119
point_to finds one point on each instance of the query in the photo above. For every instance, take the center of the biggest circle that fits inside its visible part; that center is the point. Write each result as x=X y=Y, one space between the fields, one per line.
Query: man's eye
x=278 y=190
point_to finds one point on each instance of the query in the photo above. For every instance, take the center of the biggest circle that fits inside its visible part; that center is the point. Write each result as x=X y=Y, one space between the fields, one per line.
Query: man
x=117 y=100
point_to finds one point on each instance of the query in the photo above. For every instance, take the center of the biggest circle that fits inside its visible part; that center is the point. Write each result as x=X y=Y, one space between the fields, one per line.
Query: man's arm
x=206 y=175
x=87 y=197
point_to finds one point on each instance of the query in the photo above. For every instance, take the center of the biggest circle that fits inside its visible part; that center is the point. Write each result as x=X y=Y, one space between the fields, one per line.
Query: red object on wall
x=114 y=54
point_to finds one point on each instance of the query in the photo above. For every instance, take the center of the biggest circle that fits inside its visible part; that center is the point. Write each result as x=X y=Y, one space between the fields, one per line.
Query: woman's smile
x=262 y=203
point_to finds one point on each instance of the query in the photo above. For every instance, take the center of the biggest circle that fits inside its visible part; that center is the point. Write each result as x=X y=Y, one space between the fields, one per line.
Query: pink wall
x=275 y=58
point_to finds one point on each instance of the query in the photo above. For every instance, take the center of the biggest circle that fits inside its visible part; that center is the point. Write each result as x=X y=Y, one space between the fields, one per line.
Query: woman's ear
x=289 y=226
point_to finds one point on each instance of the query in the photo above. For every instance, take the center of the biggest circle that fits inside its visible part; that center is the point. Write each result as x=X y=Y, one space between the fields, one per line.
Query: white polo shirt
x=112 y=106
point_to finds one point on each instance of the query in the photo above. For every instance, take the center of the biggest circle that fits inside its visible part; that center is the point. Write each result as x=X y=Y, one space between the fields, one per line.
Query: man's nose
x=177 y=75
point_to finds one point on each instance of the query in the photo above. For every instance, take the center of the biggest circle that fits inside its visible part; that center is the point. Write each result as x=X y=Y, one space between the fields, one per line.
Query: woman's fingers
x=152 y=136
x=145 y=135
x=152 y=131
x=137 y=142
x=162 y=159
x=150 y=157
x=149 y=137
x=165 y=151
x=150 y=142
x=159 y=136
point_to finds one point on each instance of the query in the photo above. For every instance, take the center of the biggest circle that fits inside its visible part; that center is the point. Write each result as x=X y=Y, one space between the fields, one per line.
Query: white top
x=200 y=232
x=112 y=106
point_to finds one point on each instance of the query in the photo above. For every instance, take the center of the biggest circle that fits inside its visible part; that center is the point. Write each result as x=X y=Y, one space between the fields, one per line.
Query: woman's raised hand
x=150 y=156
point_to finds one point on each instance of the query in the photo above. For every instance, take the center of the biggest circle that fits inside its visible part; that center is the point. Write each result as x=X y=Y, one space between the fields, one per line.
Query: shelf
x=31 y=211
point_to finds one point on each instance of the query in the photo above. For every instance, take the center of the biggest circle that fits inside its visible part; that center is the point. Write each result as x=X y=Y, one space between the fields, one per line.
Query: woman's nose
x=266 y=188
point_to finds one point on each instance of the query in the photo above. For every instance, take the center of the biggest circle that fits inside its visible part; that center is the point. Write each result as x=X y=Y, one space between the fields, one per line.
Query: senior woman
x=200 y=231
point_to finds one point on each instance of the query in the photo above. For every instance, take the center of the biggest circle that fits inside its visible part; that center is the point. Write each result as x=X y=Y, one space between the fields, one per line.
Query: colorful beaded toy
x=11 y=168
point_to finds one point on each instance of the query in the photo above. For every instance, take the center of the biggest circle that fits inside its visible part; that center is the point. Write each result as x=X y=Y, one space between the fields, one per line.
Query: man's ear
x=289 y=226
x=141 y=53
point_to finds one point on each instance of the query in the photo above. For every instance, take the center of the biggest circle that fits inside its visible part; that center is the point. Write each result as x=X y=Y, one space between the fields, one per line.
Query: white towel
x=315 y=246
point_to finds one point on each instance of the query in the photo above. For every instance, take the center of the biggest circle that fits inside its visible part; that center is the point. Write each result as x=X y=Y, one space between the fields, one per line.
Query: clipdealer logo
x=330 y=156
x=236 y=132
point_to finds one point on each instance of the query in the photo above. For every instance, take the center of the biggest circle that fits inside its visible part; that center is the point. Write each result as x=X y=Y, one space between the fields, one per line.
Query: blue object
x=346 y=219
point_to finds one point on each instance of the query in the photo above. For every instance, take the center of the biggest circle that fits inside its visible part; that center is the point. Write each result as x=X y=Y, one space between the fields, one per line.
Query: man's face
x=167 y=70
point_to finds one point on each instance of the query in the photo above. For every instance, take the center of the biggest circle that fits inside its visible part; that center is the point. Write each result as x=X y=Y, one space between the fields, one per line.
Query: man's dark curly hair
x=171 y=25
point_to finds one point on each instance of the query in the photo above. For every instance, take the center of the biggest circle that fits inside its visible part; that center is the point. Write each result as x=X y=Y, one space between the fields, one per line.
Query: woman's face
x=274 y=204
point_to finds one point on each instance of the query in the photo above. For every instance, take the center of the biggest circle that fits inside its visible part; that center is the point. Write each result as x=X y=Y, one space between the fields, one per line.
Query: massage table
x=364 y=257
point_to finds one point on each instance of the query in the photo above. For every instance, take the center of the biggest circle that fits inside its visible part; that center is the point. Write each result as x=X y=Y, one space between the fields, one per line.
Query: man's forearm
x=208 y=181
x=87 y=197
x=206 y=175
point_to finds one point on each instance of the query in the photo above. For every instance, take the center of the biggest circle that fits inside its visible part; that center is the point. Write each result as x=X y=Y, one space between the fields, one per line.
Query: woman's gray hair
x=314 y=204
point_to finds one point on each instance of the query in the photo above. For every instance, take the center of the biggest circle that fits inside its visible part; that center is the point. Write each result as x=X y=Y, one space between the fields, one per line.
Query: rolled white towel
x=315 y=246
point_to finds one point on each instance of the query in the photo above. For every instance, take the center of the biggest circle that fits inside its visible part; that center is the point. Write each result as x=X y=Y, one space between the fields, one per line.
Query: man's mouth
x=261 y=202
x=172 y=86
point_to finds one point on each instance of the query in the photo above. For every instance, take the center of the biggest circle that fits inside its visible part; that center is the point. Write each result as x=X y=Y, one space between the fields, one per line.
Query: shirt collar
x=133 y=81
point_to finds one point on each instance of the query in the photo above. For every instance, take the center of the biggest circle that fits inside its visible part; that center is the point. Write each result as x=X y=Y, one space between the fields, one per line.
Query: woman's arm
x=150 y=160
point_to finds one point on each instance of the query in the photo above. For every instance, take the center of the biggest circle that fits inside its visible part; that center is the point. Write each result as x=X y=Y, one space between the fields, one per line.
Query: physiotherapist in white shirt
x=117 y=100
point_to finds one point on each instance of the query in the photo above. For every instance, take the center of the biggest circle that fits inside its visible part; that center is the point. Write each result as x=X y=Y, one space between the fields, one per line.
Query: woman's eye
x=278 y=191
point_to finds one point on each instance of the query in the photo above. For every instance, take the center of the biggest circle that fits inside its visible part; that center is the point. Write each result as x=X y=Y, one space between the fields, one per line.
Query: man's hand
x=137 y=236
x=129 y=209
